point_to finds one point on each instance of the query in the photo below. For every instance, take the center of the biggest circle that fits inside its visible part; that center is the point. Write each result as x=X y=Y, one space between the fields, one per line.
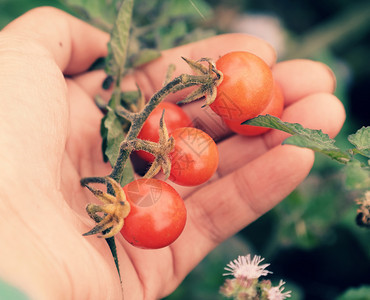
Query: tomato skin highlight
x=195 y=157
x=174 y=117
x=246 y=87
x=274 y=108
x=157 y=216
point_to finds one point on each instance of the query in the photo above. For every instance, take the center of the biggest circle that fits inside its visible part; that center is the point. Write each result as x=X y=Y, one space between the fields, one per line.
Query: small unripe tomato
x=274 y=108
x=246 y=87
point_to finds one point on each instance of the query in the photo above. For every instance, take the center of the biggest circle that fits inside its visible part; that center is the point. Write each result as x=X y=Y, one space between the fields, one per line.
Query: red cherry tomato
x=246 y=87
x=274 y=108
x=195 y=157
x=174 y=117
x=157 y=216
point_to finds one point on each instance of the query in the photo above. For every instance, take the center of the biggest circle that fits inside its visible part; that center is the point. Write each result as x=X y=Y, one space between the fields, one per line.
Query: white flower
x=276 y=292
x=245 y=268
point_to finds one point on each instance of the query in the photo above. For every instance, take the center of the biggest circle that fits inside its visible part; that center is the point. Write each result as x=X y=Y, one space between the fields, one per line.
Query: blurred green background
x=310 y=239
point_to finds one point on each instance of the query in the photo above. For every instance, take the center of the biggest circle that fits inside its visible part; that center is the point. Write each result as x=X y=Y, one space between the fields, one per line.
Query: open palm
x=50 y=139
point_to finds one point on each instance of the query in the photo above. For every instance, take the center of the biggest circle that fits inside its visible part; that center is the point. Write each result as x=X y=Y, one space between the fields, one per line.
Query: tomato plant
x=195 y=157
x=175 y=117
x=275 y=108
x=246 y=87
x=157 y=216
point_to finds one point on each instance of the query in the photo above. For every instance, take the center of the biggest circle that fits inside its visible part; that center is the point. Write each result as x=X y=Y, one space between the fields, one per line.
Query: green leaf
x=357 y=175
x=361 y=139
x=118 y=44
x=303 y=137
x=273 y=122
x=113 y=134
x=100 y=13
x=359 y=293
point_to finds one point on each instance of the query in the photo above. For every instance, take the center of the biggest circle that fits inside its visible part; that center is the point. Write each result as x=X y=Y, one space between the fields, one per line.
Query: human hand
x=50 y=140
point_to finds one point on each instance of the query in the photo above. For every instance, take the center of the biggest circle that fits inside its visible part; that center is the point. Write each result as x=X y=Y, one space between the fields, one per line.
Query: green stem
x=116 y=96
x=86 y=180
x=126 y=114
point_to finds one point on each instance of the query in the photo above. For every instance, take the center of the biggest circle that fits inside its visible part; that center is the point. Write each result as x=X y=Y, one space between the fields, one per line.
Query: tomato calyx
x=208 y=88
x=115 y=208
x=162 y=149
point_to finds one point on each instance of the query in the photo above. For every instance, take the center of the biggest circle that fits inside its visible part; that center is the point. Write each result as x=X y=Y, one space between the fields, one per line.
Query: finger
x=224 y=207
x=317 y=111
x=74 y=44
x=150 y=77
x=300 y=77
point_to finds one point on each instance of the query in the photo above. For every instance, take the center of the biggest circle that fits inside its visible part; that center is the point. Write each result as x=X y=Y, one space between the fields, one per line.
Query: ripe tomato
x=246 y=87
x=195 y=157
x=174 y=118
x=157 y=216
x=274 y=108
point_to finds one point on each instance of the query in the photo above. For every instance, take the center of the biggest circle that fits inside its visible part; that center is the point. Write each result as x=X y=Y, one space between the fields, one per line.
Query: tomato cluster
x=158 y=214
x=248 y=89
